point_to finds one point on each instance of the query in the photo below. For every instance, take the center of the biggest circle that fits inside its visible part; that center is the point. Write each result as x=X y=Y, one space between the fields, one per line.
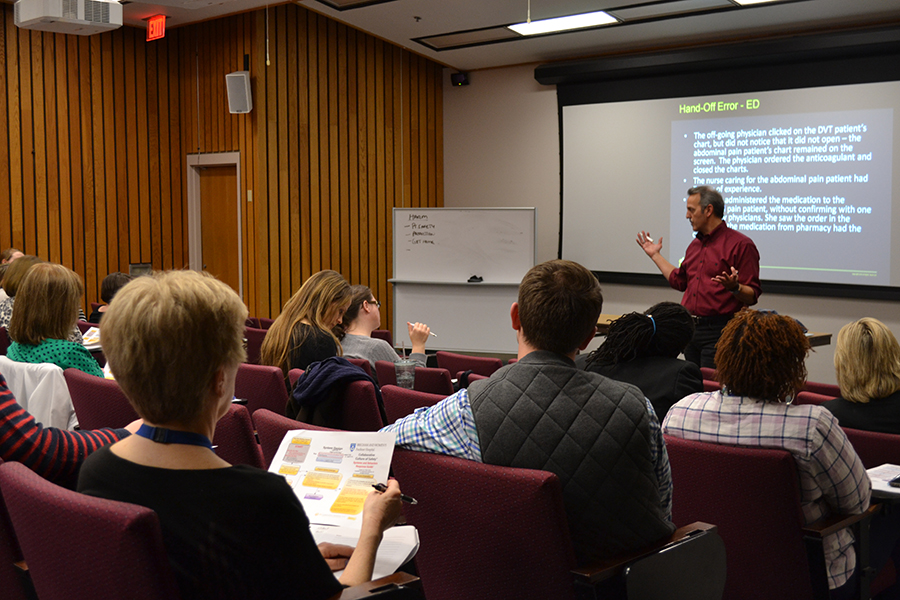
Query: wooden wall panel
x=94 y=134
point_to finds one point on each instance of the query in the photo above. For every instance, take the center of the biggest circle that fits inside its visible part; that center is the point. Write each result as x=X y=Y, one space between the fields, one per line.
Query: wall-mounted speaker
x=239 y=99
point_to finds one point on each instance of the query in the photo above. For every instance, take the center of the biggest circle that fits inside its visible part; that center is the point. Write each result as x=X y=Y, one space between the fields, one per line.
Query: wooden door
x=220 y=245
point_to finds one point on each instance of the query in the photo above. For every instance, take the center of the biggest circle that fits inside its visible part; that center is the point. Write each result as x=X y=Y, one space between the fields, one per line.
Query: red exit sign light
x=156 y=27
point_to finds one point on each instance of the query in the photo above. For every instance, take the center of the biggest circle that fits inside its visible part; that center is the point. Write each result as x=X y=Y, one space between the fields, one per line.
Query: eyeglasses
x=375 y=302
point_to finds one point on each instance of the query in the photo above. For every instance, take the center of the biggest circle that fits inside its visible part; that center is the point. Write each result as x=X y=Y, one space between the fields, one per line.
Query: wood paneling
x=94 y=134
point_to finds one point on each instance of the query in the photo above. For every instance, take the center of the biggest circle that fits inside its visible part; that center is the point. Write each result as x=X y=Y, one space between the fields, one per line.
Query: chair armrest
x=381 y=588
x=834 y=523
x=594 y=573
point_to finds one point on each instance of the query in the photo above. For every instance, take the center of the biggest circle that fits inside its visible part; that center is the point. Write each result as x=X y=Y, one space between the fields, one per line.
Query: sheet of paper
x=880 y=477
x=332 y=472
x=92 y=338
x=398 y=546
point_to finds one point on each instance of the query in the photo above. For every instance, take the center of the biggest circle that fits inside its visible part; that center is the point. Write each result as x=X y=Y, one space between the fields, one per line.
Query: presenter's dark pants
x=701 y=350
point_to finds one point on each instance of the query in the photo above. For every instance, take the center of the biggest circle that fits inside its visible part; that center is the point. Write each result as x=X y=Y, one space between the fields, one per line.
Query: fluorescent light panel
x=746 y=2
x=592 y=19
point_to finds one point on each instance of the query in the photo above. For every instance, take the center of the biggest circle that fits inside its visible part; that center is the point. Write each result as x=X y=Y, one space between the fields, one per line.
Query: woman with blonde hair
x=45 y=314
x=303 y=332
x=867 y=365
x=174 y=344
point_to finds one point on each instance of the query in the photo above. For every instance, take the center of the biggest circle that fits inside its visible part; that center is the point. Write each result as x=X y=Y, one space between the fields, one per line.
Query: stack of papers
x=880 y=477
x=332 y=472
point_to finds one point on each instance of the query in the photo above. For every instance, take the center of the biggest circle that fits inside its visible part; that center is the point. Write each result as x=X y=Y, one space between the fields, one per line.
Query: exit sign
x=156 y=27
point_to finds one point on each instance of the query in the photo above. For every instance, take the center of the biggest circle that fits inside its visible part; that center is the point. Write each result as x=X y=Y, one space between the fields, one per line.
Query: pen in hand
x=383 y=488
x=431 y=333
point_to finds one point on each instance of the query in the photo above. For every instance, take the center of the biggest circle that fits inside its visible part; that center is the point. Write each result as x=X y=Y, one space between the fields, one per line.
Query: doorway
x=214 y=216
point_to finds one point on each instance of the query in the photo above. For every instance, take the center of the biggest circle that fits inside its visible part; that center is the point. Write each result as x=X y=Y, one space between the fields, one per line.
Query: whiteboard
x=450 y=245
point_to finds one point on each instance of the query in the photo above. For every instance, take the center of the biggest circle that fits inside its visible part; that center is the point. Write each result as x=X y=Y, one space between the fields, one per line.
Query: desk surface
x=815 y=338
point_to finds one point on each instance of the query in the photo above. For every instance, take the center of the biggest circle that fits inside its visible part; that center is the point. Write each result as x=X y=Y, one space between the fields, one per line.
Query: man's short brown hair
x=559 y=303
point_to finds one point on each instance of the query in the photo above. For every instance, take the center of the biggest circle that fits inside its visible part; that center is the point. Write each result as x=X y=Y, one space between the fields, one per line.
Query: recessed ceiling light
x=592 y=19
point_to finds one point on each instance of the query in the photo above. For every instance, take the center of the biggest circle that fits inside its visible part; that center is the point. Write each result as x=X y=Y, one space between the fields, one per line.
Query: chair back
x=11 y=581
x=711 y=386
x=4 y=341
x=483 y=365
x=805 y=397
x=271 y=429
x=293 y=376
x=433 y=381
x=708 y=373
x=874 y=448
x=255 y=339
x=360 y=410
x=753 y=497
x=826 y=389
x=41 y=390
x=399 y=402
x=79 y=547
x=98 y=402
x=262 y=386
x=385 y=373
x=486 y=532
x=362 y=363
x=234 y=438
x=83 y=326
x=384 y=334
x=264 y=322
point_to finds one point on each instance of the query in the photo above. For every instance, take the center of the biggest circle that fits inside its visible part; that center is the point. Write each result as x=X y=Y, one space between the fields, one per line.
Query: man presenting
x=719 y=274
x=599 y=436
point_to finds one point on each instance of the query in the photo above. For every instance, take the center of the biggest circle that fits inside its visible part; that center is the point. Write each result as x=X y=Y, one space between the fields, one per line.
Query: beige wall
x=501 y=148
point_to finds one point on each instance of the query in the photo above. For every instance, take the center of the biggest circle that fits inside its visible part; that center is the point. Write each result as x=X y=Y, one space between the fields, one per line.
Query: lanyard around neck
x=172 y=436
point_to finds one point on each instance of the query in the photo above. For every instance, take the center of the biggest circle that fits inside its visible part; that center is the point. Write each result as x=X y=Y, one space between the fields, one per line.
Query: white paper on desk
x=880 y=477
x=397 y=548
x=332 y=472
x=92 y=338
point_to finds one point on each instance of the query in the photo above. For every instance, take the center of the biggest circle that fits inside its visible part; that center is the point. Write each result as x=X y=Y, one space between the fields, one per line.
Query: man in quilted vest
x=599 y=436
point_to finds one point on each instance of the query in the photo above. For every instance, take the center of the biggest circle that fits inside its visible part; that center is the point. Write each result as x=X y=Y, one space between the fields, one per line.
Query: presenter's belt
x=712 y=320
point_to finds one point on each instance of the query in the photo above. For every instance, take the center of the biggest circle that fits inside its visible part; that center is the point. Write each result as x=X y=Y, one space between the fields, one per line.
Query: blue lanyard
x=171 y=436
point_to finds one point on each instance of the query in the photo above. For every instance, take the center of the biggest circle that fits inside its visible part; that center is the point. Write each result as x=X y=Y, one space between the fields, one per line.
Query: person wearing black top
x=643 y=349
x=174 y=343
x=867 y=365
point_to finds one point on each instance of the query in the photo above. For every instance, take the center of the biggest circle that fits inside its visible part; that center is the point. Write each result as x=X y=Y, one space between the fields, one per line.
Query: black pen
x=383 y=488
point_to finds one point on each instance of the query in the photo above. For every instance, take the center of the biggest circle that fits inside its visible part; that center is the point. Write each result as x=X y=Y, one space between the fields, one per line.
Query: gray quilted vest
x=592 y=432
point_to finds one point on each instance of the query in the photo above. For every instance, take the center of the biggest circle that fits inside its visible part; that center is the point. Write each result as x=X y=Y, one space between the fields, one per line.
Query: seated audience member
x=303 y=332
x=643 y=349
x=174 y=342
x=362 y=318
x=12 y=280
x=760 y=363
x=44 y=316
x=867 y=364
x=111 y=284
x=55 y=454
x=10 y=254
x=602 y=440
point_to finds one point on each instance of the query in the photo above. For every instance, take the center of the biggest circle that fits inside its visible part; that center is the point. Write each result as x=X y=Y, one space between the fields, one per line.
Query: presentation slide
x=808 y=174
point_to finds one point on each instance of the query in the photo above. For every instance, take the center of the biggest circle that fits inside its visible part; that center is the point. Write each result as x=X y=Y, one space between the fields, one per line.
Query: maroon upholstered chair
x=83 y=326
x=13 y=582
x=98 y=402
x=472 y=376
x=753 y=496
x=512 y=361
x=360 y=410
x=399 y=402
x=483 y=365
x=492 y=532
x=362 y=363
x=826 y=389
x=805 y=397
x=433 y=381
x=271 y=428
x=255 y=339
x=264 y=322
x=234 y=438
x=4 y=341
x=385 y=373
x=384 y=334
x=711 y=386
x=873 y=448
x=293 y=376
x=79 y=547
x=262 y=386
x=708 y=373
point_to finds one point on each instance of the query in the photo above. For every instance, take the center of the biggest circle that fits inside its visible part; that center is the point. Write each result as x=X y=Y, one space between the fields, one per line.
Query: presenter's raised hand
x=648 y=245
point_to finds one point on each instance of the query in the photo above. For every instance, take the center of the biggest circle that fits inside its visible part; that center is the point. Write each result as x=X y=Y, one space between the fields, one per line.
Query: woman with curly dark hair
x=760 y=363
x=642 y=349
